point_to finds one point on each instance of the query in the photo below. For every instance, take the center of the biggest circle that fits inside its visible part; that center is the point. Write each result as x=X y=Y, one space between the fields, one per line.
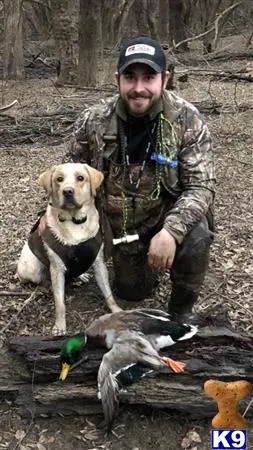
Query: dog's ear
x=96 y=178
x=45 y=180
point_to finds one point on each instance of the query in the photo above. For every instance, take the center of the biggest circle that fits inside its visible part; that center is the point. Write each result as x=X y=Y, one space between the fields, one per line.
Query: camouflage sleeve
x=79 y=149
x=196 y=176
x=89 y=130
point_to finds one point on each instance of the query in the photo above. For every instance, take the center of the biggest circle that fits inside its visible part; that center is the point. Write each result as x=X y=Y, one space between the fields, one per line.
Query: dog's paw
x=58 y=330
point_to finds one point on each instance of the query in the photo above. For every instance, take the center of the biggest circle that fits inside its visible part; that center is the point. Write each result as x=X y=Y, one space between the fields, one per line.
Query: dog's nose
x=68 y=192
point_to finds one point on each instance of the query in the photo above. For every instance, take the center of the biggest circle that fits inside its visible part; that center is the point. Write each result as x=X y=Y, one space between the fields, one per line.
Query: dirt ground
x=229 y=281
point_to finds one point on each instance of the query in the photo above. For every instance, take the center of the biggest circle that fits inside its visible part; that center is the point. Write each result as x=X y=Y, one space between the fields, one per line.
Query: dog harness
x=77 y=258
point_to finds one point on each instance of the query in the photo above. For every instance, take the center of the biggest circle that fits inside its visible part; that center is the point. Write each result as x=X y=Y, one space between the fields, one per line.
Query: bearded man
x=156 y=204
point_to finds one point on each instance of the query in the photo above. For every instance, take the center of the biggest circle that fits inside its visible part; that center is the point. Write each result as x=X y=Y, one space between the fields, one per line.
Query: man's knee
x=192 y=256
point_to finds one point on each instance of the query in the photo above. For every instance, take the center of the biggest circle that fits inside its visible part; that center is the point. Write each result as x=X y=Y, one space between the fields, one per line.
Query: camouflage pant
x=135 y=279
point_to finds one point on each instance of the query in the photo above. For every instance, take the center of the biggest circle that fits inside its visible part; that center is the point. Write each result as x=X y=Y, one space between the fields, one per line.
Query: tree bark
x=30 y=367
x=64 y=19
x=176 y=23
x=13 y=64
x=146 y=14
x=164 y=32
x=90 y=43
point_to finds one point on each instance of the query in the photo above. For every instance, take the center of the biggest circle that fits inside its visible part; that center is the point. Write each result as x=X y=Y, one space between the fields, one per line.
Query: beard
x=139 y=103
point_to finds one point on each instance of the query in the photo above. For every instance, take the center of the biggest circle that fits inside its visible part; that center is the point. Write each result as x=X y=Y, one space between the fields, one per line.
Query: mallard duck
x=131 y=336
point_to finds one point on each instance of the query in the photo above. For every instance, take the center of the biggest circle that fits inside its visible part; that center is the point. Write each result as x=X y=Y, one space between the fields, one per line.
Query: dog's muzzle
x=69 y=197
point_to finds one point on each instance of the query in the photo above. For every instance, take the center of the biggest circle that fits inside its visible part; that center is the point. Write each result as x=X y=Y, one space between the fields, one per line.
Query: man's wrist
x=174 y=233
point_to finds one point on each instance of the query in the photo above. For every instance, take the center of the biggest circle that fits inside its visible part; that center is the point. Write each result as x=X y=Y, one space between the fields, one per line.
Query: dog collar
x=74 y=220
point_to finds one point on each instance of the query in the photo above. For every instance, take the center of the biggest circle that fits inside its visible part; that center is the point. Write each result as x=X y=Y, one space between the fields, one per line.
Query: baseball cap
x=143 y=50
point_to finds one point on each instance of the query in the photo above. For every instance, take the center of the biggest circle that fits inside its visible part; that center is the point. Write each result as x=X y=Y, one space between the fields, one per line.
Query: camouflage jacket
x=186 y=140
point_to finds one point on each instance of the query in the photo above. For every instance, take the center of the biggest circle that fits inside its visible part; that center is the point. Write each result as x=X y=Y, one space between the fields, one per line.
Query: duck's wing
x=130 y=347
x=155 y=324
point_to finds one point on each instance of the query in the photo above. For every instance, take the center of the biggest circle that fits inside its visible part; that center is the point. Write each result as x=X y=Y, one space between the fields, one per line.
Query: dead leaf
x=19 y=435
x=190 y=438
x=194 y=437
x=24 y=180
x=41 y=446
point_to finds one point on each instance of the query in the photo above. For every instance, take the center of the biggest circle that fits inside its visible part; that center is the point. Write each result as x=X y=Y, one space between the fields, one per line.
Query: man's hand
x=162 y=250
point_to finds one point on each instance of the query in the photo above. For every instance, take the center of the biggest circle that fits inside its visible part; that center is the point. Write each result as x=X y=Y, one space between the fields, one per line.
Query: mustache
x=138 y=95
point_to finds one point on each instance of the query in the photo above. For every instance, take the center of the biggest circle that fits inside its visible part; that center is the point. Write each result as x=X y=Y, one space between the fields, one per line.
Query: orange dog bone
x=228 y=396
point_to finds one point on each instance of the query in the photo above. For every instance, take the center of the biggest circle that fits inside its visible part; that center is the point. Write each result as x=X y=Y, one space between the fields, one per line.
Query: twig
x=216 y=24
x=249 y=40
x=4 y=108
x=235 y=92
x=26 y=302
x=236 y=303
x=242 y=162
x=34 y=59
x=248 y=407
x=14 y=293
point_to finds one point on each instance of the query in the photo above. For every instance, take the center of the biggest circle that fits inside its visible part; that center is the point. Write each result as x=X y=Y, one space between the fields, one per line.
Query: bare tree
x=176 y=23
x=214 y=12
x=90 y=42
x=64 y=20
x=146 y=14
x=164 y=20
x=13 y=59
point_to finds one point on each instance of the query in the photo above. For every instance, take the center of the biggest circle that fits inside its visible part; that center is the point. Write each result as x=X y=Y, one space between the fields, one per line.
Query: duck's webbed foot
x=176 y=366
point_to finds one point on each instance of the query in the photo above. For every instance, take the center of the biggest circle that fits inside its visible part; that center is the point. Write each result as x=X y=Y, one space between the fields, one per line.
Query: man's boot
x=188 y=271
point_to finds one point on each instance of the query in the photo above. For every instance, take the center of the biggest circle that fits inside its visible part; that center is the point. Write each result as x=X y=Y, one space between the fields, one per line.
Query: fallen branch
x=13 y=293
x=218 y=74
x=4 y=108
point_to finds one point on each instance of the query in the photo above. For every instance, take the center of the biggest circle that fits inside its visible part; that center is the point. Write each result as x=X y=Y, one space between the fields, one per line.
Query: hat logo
x=140 y=48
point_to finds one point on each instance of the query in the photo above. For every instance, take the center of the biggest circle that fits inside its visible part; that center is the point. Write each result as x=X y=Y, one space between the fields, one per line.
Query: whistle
x=126 y=239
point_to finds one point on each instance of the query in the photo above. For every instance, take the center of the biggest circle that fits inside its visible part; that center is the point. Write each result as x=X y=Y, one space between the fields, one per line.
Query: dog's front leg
x=57 y=272
x=102 y=279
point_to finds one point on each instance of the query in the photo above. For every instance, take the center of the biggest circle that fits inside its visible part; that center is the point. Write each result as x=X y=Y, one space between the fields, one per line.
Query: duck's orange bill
x=176 y=366
x=64 y=371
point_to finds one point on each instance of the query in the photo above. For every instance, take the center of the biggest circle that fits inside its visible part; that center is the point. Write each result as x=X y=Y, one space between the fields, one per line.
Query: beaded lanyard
x=163 y=152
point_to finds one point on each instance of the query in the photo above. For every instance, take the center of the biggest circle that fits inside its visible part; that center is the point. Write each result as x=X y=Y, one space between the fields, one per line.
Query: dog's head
x=71 y=185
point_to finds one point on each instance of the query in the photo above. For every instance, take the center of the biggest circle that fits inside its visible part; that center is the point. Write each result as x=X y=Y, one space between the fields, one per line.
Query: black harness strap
x=77 y=258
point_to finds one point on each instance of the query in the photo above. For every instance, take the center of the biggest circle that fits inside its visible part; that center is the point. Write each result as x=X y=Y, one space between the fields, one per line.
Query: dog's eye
x=59 y=179
x=80 y=178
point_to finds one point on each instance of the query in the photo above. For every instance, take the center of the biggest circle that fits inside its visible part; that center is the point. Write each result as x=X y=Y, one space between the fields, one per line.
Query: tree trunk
x=140 y=12
x=164 y=32
x=176 y=23
x=29 y=373
x=146 y=13
x=13 y=64
x=64 y=19
x=90 y=43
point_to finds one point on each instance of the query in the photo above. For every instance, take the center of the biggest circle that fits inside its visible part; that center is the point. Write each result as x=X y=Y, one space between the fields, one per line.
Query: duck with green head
x=131 y=336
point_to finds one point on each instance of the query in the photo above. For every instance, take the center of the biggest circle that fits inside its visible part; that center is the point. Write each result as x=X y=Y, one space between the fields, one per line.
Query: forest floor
x=35 y=135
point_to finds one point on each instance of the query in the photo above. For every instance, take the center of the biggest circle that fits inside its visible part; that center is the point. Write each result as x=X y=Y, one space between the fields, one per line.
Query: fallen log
x=30 y=369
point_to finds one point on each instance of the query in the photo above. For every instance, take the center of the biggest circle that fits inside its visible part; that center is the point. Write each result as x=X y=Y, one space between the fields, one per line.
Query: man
x=156 y=153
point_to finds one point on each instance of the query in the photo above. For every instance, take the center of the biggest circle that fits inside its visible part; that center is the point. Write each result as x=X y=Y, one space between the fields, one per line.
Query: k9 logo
x=229 y=439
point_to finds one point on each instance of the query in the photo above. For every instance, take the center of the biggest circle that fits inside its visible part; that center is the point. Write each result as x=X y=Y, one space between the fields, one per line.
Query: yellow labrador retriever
x=67 y=239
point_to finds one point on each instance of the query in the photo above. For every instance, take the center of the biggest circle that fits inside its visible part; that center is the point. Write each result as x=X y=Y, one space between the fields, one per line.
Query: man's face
x=140 y=87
